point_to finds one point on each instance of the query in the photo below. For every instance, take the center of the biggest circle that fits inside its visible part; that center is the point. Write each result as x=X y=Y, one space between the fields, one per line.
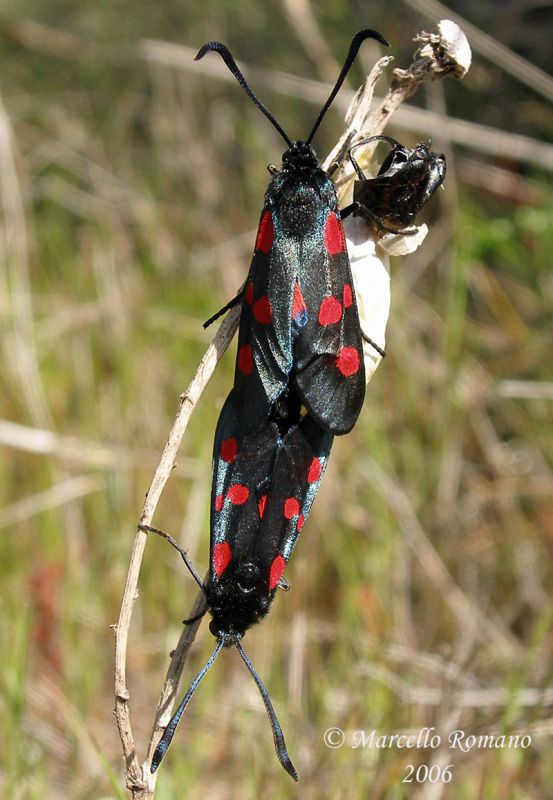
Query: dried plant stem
x=505 y=58
x=138 y=781
x=174 y=672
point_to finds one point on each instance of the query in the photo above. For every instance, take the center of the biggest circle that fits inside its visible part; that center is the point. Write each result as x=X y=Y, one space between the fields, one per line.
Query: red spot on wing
x=245 y=359
x=277 y=568
x=291 y=508
x=219 y=502
x=229 y=448
x=330 y=311
x=221 y=557
x=334 y=235
x=348 y=361
x=262 y=310
x=298 y=303
x=348 y=297
x=299 y=525
x=238 y=494
x=315 y=470
x=249 y=293
x=265 y=234
x=262 y=502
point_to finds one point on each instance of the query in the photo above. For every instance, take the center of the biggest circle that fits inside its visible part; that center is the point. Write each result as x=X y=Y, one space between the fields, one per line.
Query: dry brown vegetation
x=129 y=192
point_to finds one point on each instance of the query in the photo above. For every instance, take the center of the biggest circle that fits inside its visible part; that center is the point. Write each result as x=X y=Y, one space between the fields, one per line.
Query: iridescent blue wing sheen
x=263 y=488
x=265 y=358
x=329 y=373
x=300 y=463
x=299 y=316
x=241 y=465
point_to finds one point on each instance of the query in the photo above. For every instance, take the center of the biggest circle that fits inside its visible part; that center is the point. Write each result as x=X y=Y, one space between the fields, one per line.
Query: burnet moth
x=299 y=324
x=406 y=180
x=299 y=380
x=263 y=488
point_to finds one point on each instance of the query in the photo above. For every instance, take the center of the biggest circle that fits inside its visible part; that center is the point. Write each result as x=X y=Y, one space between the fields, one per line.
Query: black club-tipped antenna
x=169 y=731
x=226 y=55
x=356 y=43
x=278 y=736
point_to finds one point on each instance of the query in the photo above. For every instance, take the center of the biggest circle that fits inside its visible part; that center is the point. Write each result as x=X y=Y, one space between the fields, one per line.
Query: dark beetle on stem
x=407 y=178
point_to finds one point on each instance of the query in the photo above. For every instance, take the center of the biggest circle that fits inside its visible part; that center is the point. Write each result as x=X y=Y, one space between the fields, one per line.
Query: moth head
x=300 y=155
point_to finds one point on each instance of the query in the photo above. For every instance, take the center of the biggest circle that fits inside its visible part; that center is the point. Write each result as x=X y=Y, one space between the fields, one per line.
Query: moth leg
x=360 y=210
x=374 y=344
x=371 y=217
x=283 y=584
x=333 y=167
x=348 y=210
x=191 y=620
x=176 y=545
x=229 y=305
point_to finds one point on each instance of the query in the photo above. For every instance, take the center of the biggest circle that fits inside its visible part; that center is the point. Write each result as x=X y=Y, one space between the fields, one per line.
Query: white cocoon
x=371 y=280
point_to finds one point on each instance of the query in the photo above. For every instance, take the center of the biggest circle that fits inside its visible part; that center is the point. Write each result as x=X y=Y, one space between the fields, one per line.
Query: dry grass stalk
x=472 y=136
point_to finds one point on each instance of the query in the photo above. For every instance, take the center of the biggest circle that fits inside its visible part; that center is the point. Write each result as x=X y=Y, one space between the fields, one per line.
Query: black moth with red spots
x=263 y=487
x=299 y=324
x=299 y=380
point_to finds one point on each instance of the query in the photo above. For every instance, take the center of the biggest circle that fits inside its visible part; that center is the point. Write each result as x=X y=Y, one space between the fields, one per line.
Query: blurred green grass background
x=129 y=195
